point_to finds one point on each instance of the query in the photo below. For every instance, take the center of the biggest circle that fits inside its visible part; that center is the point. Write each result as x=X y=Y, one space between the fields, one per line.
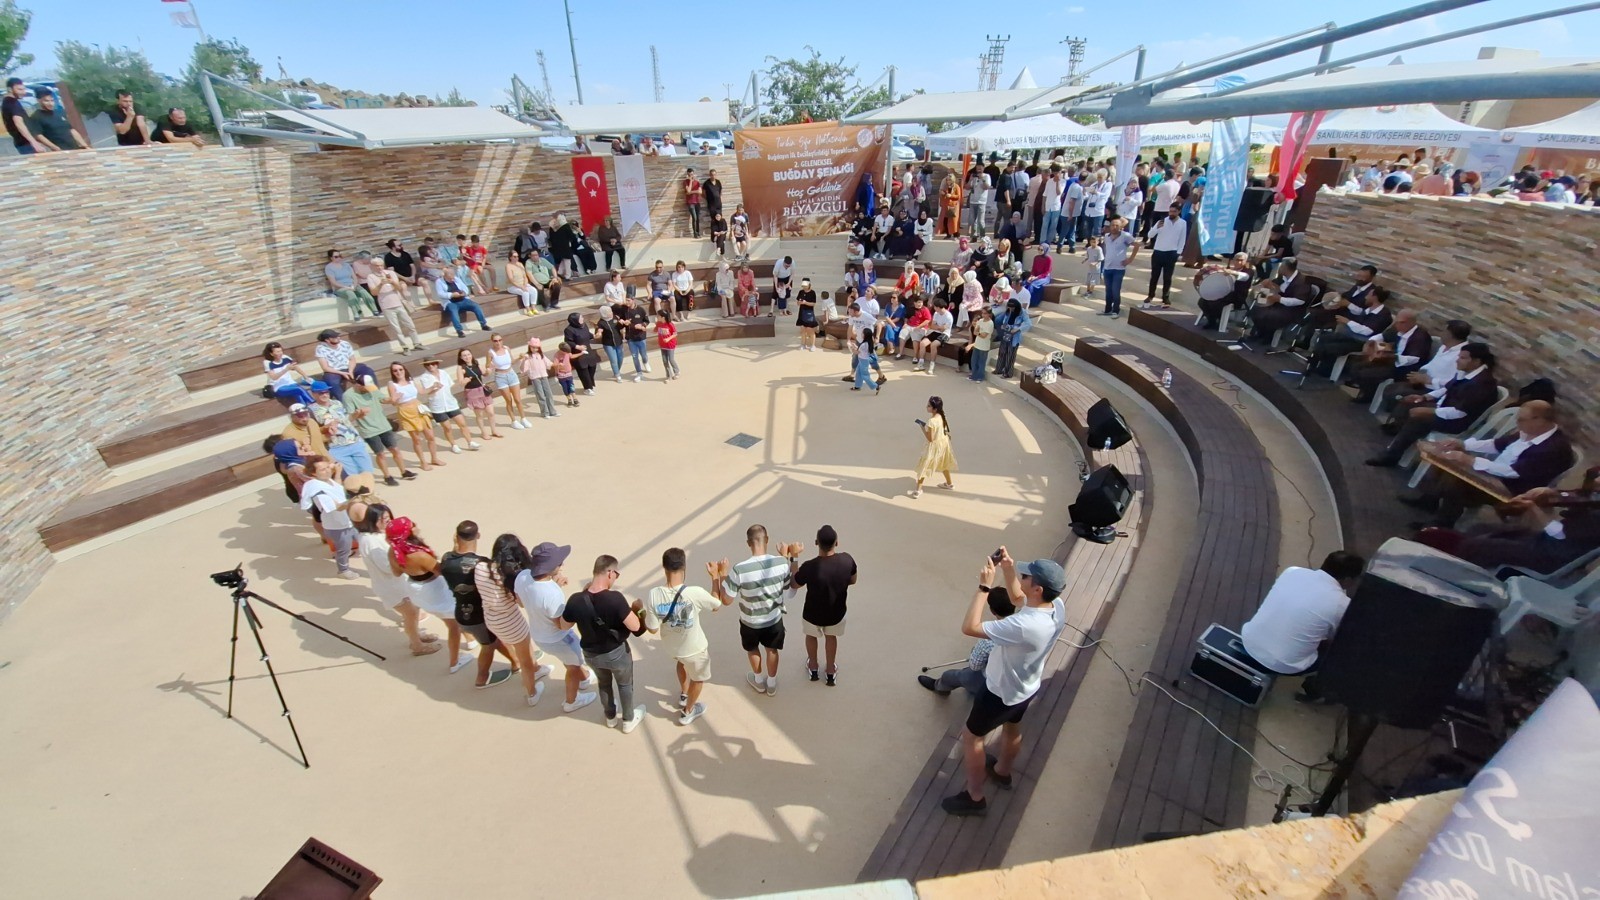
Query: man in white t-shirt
x=1022 y=643
x=926 y=351
x=1071 y=214
x=539 y=587
x=1300 y=615
x=674 y=611
x=1053 y=189
x=856 y=321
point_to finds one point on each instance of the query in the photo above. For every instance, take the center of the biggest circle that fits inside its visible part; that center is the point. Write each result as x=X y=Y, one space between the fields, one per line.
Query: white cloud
x=1075 y=10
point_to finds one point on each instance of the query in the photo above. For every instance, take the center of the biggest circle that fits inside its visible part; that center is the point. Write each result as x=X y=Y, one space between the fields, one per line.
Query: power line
x=1075 y=50
x=990 y=62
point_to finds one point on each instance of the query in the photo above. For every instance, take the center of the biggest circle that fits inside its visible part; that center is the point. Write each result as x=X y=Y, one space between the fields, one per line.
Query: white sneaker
x=462 y=662
x=646 y=368
x=757 y=682
x=613 y=721
x=636 y=379
x=689 y=715
x=538 y=691
x=455 y=449
x=517 y=424
x=473 y=445
x=619 y=379
x=632 y=722
x=584 y=698
x=772 y=686
x=525 y=423
x=589 y=391
x=541 y=672
x=469 y=646
x=349 y=575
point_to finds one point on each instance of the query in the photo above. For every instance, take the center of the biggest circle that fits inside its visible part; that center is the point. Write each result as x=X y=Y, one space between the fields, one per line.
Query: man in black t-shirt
x=604 y=619
x=456 y=567
x=175 y=129
x=712 y=188
x=133 y=129
x=17 y=118
x=827 y=579
x=401 y=262
x=49 y=123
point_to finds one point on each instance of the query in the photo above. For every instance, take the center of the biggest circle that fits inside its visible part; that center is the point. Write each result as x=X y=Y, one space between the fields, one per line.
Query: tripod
x=242 y=596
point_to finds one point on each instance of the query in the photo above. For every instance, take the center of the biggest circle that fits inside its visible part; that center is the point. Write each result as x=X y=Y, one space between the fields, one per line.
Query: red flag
x=594 y=196
x=1297 y=137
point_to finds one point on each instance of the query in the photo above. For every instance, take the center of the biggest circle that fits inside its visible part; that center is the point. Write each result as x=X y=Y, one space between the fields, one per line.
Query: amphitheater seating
x=1177 y=774
x=922 y=841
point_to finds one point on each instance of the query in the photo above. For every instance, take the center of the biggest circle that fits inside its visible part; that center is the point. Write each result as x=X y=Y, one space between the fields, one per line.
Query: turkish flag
x=1297 y=136
x=594 y=196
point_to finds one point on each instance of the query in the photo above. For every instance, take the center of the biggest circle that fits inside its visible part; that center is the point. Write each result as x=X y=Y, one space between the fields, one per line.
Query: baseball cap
x=319 y=387
x=1048 y=574
x=547 y=558
x=299 y=408
x=327 y=333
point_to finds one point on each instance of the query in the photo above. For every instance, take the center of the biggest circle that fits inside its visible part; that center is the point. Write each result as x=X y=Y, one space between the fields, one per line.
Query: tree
x=95 y=76
x=14 y=24
x=454 y=98
x=813 y=87
x=229 y=59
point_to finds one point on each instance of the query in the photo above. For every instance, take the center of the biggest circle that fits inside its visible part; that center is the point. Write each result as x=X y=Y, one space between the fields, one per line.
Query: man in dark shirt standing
x=133 y=129
x=51 y=126
x=17 y=119
x=712 y=188
x=457 y=568
x=827 y=578
x=175 y=129
x=604 y=619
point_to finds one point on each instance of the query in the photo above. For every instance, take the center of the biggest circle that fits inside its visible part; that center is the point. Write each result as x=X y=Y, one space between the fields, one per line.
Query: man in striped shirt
x=760 y=584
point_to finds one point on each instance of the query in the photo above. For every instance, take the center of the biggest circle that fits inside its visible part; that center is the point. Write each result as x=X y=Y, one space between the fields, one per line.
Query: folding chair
x=1564 y=607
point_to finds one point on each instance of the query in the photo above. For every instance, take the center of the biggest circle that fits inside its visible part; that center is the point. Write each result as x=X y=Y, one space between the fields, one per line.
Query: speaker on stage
x=1417 y=621
x=1253 y=209
x=1101 y=502
x=1106 y=427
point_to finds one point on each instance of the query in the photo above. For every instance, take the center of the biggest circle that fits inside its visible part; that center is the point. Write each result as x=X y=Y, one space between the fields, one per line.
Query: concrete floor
x=113 y=674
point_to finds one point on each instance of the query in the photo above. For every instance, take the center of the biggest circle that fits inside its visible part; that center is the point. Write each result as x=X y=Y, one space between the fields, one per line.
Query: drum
x=1217 y=285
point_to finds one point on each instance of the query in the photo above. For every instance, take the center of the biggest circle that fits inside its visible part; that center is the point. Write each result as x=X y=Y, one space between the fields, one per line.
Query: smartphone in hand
x=920 y=422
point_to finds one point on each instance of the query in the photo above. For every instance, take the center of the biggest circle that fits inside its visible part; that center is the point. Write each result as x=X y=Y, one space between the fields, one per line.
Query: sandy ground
x=113 y=674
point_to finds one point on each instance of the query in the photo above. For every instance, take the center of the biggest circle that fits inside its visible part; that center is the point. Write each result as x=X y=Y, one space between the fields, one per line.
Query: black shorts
x=481 y=633
x=379 y=441
x=938 y=337
x=988 y=713
x=445 y=416
x=770 y=637
x=684 y=301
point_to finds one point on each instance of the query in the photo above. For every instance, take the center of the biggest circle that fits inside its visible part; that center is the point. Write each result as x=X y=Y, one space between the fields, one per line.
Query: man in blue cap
x=1022 y=643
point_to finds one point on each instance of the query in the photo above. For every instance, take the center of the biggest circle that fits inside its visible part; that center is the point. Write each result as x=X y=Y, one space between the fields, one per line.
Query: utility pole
x=572 y=45
x=655 y=72
x=1075 y=50
x=989 y=64
x=544 y=73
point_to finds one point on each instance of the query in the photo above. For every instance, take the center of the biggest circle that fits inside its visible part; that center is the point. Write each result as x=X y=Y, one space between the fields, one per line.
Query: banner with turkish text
x=1297 y=136
x=802 y=180
x=594 y=198
x=633 y=200
x=1226 y=175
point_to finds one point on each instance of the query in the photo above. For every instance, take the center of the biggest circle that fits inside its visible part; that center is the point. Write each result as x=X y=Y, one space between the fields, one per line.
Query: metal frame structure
x=1136 y=103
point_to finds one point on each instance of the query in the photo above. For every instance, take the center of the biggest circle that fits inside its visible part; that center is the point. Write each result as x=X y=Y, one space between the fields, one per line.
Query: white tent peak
x=1024 y=81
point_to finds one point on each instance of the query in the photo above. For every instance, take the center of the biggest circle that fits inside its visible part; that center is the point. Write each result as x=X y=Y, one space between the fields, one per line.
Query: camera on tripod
x=233 y=579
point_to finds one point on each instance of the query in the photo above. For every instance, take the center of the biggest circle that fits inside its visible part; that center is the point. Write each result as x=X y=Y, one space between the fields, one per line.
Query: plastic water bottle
x=1166 y=377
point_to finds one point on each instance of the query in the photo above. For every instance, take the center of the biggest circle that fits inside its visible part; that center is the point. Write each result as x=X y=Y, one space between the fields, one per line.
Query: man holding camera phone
x=1022 y=642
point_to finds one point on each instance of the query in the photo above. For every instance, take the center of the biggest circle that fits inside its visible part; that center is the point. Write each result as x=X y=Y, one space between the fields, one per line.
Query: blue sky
x=395 y=46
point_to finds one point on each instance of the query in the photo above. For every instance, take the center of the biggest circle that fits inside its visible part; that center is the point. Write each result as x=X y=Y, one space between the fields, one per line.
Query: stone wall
x=1523 y=274
x=127 y=265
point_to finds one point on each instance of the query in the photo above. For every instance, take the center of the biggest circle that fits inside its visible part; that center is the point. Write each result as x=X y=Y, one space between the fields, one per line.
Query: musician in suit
x=1455 y=406
x=1533 y=456
x=1432 y=375
x=1547 y=537
x=1280 y=302
x=1352 y=327
x=1393 y=354
x=1357 y=296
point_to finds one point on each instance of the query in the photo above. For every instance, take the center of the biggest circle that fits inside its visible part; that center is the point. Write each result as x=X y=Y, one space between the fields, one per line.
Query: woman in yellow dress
x=937 y=457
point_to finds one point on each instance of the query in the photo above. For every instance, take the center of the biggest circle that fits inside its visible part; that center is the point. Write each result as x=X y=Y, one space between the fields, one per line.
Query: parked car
x=720 y=141
x=900 y=151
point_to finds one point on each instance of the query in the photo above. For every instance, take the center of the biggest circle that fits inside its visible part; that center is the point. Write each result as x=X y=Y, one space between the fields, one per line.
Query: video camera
x=233 y=579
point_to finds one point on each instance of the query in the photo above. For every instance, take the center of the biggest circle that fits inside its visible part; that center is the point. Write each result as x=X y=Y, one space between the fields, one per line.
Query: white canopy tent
x=1022 y=134
x=373 y=129
x=1421 y=124
x=972 y=106
x=1574 y=131
x=647 y=118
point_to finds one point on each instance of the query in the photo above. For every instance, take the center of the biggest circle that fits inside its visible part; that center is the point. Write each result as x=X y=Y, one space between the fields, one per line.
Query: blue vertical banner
x=1225 y=184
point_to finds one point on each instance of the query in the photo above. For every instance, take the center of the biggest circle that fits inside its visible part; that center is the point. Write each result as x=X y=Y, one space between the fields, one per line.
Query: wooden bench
x=922 y=841
x=101 y=512
x=1175 y=773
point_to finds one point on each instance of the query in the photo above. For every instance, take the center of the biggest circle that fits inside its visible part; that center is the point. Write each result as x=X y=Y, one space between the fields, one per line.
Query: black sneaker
x=390 y=481
x=989 y=760
x=408 y=474
x=932 y=684
x=962 y=804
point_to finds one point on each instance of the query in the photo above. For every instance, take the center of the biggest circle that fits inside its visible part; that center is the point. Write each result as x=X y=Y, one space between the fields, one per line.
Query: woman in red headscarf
x=410 y=555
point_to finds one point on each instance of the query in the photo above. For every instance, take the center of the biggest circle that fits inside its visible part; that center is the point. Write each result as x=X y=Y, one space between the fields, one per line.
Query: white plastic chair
x=1564 y=607
x=1495 y=426
x=1561 y=577
x=1377 y=396
x=1503 y=397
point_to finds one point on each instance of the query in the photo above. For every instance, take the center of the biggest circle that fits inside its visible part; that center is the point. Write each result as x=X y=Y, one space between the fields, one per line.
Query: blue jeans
x=615 y=355
x=1067 y=233
x=980 y=359
x=25 y=150
x=1091 y=225
x=356 y=458
x=641 y=356
x=1114 y=289
x=863 y=372
x=1047 y=231
x=455 y=307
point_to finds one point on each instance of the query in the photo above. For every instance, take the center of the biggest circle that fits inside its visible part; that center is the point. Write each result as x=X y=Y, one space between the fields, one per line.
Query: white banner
x=633 y=200
x=1126 y=151
x=1492 y=161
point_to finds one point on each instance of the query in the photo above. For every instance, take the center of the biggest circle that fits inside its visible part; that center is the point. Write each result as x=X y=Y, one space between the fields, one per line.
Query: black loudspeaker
x=1253 y=209
x=1413 y=628
x=319 y=872
x=1106 y=425
x=1102 y=500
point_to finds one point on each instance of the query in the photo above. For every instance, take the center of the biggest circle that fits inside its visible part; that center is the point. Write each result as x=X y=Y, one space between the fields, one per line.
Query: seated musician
x=1533 y=456
x=1273 y=311
x=1352 y=327
x=1433 y=375
x=1555 y=528
x=1453 y=408
x=1392 y=355
x=1280 y=246
x=1234 y=277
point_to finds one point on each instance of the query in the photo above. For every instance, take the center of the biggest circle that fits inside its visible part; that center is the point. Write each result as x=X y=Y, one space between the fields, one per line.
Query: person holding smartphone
x=937 y=456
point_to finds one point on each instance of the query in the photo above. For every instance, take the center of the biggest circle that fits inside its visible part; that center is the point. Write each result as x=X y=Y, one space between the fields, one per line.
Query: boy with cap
x=344 y=443
x=673 y=611
x=543 y=598
x=1022 y=642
